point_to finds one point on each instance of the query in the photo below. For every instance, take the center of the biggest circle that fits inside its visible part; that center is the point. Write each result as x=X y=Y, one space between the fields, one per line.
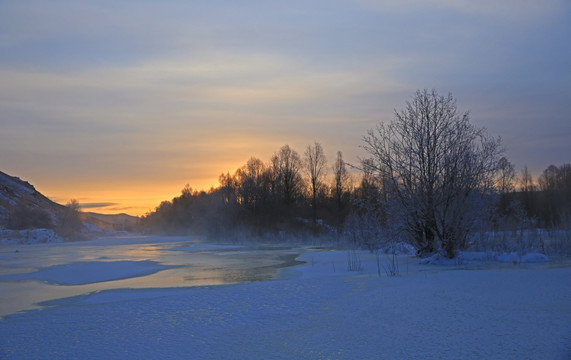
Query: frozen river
x=33 y=274
x=150 y=297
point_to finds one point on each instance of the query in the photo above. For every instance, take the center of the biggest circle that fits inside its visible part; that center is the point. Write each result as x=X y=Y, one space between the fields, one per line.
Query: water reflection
x=255 y=271
x=190 y=264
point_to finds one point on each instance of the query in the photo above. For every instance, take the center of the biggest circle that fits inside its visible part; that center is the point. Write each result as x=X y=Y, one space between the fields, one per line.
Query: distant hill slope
x=116 y=222
x=16 y=193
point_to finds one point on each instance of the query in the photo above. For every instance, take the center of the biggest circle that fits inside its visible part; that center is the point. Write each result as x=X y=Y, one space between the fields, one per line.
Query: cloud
x=512 y=10
x=96 y=205
x=211 y=90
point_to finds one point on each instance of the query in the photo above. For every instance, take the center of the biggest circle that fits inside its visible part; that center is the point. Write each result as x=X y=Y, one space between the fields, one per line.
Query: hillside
x=16 y=193
x=23 y=207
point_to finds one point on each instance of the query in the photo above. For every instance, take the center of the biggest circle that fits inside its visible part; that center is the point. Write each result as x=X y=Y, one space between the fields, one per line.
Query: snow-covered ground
x=318 y=310
x=34 y=236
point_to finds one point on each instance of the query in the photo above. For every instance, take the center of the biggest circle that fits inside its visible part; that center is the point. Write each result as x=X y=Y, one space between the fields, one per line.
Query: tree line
x=542 y=203
x=291 y=193
x=430 y=178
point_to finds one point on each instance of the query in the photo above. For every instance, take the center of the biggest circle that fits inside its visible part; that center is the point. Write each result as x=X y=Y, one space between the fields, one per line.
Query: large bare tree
x=434 y=164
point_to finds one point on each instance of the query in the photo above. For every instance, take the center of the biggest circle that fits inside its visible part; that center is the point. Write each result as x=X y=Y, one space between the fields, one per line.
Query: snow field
x=316 y=311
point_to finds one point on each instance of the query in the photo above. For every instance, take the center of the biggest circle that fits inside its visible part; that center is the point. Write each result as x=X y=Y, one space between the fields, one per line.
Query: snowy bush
x=392 y=267
x=354 y=261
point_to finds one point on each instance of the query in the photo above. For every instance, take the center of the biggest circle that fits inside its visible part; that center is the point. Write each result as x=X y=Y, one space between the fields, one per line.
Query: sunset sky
x=119 y=104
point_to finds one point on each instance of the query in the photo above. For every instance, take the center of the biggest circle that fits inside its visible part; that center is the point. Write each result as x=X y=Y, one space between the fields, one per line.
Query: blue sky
x=126 y=102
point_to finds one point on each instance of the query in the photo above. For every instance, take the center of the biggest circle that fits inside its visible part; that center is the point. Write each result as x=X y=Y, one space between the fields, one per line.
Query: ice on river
x=80 y=273
x=318 y=310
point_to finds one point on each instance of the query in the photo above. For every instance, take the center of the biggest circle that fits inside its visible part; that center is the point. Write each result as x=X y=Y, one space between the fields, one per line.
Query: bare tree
x=70 y=224
x=366 y=223
x=526 y=181
x=555 y=196
x=435 y=164
x=286 y=165
x=508 y=209
x=341 y=179
x=527 y=196
x=251 y=182
x=315 y=166
x=73 y=205
x=228 y=188
x=506 y=176
x=341 y=186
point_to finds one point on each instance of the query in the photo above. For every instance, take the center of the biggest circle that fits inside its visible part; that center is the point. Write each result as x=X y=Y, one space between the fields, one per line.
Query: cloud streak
x=96 y=205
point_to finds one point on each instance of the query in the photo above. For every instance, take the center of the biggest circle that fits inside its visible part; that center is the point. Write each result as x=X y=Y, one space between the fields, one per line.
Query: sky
x=120 y=104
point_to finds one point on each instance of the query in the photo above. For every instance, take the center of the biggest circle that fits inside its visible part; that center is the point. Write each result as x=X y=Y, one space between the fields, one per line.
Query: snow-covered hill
x=27 y=216
x=16 y=193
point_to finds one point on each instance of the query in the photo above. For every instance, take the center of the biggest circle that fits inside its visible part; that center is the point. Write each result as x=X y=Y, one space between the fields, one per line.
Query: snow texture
x=318 y=310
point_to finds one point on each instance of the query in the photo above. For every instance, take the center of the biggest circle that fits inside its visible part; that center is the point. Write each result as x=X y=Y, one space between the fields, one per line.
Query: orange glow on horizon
x=135 y=197
x=140 y=191
x=128 y=199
